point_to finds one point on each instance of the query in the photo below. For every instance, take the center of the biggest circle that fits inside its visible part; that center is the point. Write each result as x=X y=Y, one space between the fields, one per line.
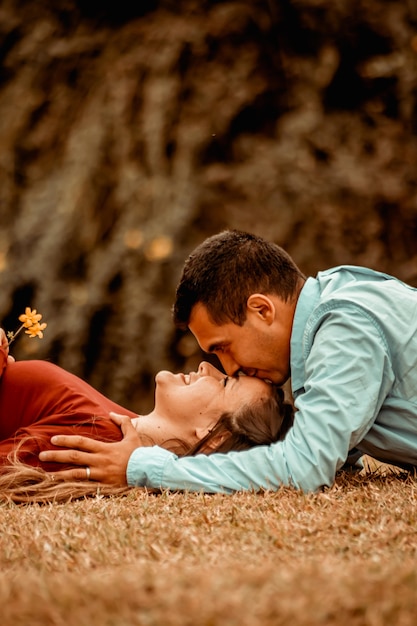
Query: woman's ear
x=261 y=306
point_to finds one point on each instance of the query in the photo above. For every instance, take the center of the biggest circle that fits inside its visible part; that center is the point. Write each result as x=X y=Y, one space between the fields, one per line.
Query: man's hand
x=107 y=461
x=5 y=344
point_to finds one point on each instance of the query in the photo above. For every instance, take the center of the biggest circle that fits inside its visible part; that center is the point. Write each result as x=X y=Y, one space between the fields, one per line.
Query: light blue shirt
x=354 y=382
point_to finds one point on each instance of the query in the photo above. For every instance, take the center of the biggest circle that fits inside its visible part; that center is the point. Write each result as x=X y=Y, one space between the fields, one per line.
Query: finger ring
x=88 y=472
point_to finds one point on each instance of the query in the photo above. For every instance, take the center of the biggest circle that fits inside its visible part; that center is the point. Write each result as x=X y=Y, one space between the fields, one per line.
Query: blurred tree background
x=130 y=131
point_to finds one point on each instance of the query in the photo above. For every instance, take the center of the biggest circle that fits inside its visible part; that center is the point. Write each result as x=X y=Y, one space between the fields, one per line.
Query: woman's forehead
x=253 y=383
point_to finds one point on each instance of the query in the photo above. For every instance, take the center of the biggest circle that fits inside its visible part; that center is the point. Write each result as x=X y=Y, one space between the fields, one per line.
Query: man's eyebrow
x=213 y=347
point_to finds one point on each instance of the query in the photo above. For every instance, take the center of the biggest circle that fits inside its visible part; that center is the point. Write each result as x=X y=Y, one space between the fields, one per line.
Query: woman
x=203 y=411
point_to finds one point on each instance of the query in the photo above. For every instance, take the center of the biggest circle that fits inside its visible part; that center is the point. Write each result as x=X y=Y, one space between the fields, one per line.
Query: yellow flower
x=36 y=330
x=31 y=321
x=29 y=317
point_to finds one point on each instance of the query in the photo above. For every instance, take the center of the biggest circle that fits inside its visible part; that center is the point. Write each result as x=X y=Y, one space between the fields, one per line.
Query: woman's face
x=188 y=405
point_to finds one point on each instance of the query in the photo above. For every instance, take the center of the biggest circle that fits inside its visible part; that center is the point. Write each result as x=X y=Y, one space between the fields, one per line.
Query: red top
x=39 y=399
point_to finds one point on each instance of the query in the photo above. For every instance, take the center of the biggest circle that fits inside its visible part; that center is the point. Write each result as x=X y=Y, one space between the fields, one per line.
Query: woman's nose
x=206 y=369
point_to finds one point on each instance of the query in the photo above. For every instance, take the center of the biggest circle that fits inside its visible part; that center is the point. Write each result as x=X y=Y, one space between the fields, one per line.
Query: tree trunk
x=128 y=135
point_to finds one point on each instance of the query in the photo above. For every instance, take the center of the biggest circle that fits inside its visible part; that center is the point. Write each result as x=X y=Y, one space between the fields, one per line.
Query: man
x=347 y=338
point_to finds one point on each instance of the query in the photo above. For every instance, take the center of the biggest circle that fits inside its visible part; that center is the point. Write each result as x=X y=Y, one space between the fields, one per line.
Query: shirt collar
x=309 y=296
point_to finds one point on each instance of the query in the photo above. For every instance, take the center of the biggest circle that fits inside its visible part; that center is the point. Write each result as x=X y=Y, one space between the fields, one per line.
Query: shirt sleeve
x=251 y=470
x=348 y=375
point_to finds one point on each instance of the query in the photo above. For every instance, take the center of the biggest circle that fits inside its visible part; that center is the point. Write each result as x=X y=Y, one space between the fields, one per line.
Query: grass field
x=346 y=556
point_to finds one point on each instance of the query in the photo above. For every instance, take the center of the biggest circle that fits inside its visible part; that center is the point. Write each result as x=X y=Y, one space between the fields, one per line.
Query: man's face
x=261 y=347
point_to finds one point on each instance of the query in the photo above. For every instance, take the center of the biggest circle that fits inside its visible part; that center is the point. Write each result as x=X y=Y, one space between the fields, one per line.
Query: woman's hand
x=107 y=462
x=5 y=344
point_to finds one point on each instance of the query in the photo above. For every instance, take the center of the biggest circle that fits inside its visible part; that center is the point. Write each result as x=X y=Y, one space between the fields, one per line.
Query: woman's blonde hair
x=23 y=484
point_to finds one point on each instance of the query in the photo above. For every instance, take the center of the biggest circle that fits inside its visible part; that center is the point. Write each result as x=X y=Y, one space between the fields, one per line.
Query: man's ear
x=262 y=307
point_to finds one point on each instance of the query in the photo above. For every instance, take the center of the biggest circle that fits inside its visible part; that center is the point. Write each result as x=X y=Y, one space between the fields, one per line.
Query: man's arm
x=347 y=377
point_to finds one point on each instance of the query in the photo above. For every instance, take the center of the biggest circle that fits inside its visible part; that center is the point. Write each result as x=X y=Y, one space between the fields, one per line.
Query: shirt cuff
x=146 y=465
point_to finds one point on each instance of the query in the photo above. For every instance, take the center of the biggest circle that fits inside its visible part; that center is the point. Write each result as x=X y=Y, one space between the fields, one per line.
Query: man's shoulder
x=359 y=278
x=354 y=271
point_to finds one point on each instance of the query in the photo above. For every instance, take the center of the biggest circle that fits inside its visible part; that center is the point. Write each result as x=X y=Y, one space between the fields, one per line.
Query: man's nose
x=229 y=365
x=250 y=371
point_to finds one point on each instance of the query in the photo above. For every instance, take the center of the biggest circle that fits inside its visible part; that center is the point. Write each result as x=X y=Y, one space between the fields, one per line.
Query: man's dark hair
x=224 y=270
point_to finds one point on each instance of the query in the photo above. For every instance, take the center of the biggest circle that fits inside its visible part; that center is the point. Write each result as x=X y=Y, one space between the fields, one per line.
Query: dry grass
x=345 y=556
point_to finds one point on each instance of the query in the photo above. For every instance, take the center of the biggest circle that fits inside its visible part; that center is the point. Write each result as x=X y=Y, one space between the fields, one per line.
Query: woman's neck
x=154 y=429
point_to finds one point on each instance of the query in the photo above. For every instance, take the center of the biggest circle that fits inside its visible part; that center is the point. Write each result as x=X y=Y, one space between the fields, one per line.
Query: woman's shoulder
x=36 y=371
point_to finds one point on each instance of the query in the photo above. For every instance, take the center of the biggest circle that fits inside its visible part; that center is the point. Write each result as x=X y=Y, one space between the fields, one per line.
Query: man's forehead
x=208 y=334
x=200 y=318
